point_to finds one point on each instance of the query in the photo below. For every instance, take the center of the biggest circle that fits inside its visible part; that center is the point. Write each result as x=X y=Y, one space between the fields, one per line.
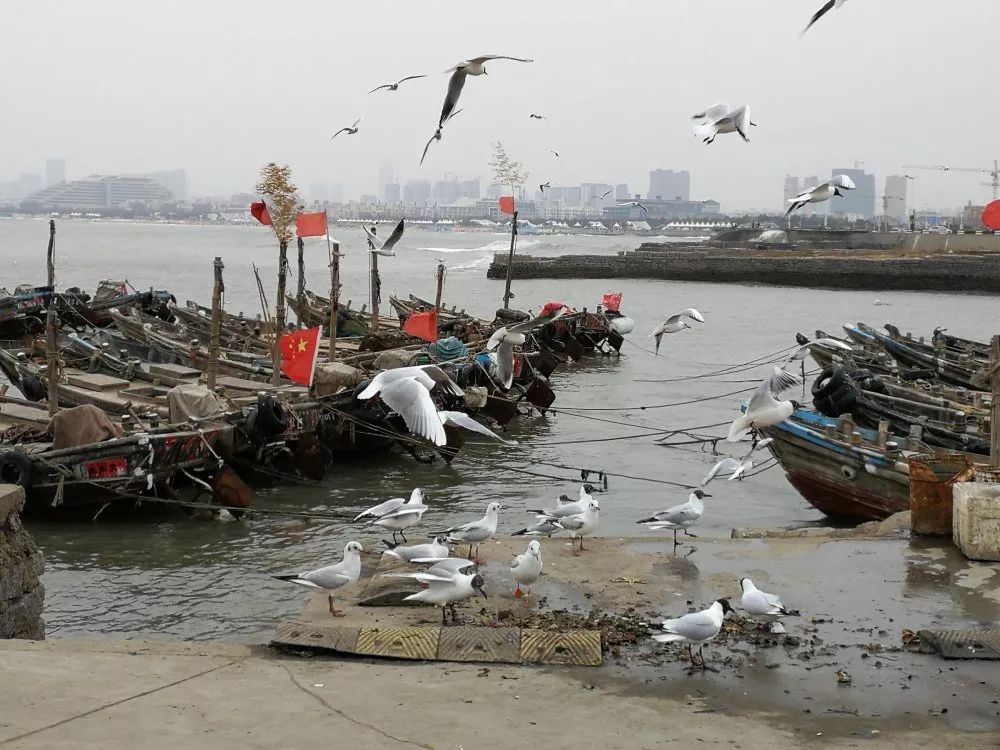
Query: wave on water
x=492 y=247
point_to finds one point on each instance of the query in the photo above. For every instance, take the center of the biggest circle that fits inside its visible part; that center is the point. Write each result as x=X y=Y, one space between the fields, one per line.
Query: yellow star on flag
x=302 y=345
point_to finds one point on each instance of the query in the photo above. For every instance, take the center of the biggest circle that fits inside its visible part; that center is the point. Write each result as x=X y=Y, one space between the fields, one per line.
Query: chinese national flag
x=311 y=225
x=612 y=301
x=507 y=204
x=298 y=354
x=259 y=211
x=423 y=325
x=991 y=216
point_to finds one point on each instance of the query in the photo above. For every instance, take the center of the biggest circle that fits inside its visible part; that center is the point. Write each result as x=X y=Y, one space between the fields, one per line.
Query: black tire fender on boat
x=866 y=380
x=828 y=382
x=16 y=468
x=271 y=417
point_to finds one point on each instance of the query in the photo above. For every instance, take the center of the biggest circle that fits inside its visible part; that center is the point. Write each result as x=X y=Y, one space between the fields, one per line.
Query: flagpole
x=300 y=296
x=375 y=283
x=507 y=294
x=213 y=346
x=334 y=250
x=51 y=323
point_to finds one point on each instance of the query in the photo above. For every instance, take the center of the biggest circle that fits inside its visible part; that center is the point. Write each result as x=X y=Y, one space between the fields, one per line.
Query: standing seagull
x=822 y=192
x=634 y=204
x=680 y=517
x=332 y=577
x=827 y=7
x=676 y=324
x=720 y=119
x=526 y=567
x=403 y=517
x=350 y=130
x=580 y=524
x=476 y=532
x=695 y=628
x=764 y=409
x=394 y=86
x=474 y=67
x=447 y=584
x=385 y=247
x=435 y=550
x=762 y=606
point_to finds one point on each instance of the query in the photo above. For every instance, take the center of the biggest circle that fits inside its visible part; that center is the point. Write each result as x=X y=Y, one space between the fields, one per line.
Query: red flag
x=506 y=204
x=991 y=216
x=298 y=354
x=551 y=308
x=259 y=211
x=423 y=325
x=311 y=225
x=611 y=301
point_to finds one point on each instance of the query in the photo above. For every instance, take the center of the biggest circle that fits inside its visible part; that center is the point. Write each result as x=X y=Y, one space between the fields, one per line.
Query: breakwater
x=21 y=593
x=871 y=269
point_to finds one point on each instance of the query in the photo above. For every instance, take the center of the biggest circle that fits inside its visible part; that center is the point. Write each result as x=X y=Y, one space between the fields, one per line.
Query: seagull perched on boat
x=349 y=130
x=822 y=192
x=634 y=204
x=473 y=67
x=544 y=185
x=475 y=532
x=332 y=577
x=760 y=605
x=526 y=567
x=680 y=517
x=533 y=116
x=764 y=409
x=433 y=551
x=719 y=119
x=401 y=517
x=447 y=584
x=395 y=86
x=505 y=338
x=676 y=324
x=385 y=247
x=827 y=7
x=437 y=135
x=694 y=628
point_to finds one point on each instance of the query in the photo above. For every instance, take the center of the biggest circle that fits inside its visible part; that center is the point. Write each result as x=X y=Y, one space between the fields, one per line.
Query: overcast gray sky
x=221 y=87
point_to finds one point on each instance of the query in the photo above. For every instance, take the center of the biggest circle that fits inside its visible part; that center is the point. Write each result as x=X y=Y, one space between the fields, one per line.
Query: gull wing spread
x=412 y=401
x=463 y=420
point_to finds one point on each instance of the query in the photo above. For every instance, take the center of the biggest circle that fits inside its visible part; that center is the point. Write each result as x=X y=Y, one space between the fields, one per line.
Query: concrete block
x=11 y=499
x=976 y=520
x=23 y=619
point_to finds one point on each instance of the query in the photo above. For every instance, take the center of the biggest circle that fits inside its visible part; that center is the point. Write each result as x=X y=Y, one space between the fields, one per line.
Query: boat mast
x=507 y=294
x=334 y=250
x=376 y=282
x=212 y=368
x=300 y=295
x=51 y=323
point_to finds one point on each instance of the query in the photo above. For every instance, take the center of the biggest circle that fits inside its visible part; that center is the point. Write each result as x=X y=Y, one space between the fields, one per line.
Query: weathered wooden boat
x=849 y=473
x=977 y=349
x=22 y=312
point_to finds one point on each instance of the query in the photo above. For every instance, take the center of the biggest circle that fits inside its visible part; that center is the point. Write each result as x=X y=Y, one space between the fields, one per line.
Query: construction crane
x=993 y=173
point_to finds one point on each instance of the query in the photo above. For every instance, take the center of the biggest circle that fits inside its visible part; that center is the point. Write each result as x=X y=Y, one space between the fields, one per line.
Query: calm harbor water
x=199 y=580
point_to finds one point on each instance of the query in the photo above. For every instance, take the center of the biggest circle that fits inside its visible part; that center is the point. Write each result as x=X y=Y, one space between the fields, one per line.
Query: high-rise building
x=319 y=192
x=336 y=192
x=895 y=197
x=386 y=177
x=668 y=185
x=103 y=191
x=55 y=171
x=621 y=192
x=859 y=202
x=174 y=180
x=391 y=193
x=446 y=191
x=23 y=186
x=469 y=188
x=792 y=189
x=417 y=191
x=495 y=191
x=591 y=193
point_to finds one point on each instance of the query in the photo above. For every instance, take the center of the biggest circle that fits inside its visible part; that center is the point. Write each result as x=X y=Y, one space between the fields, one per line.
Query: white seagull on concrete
x=435 y=550
x=447 y=585
x=822 y=192
x=762 y=606
x=680 y=517
x=527 y=567
x=332 y=577
x=476 y=532
x=398 y=519
x=676 y=324
x=695 y=628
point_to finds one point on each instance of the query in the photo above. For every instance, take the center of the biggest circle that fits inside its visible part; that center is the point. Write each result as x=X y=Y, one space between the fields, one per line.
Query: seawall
x=891 y=269
x=22 y=595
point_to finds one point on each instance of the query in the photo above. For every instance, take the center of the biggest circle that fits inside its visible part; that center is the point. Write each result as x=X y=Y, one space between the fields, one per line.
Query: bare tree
x=506 y=171
x=282 y=206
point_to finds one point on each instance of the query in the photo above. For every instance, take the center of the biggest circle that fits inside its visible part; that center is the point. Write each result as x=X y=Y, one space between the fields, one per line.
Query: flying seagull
x=533 y=116
x=474 y=67
x=719 y=119
x=394 y=86
x=764 y=409
x=332 y=577
x=695 y=628
x=634 y=204
x=676 y=324
x=385 y=247
x=436 y=136
x=606 y=194
x=349 y=130
x=554 y=151
x=827 y=7
x=544 y=185
x=822 y=192
x=505 y=338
